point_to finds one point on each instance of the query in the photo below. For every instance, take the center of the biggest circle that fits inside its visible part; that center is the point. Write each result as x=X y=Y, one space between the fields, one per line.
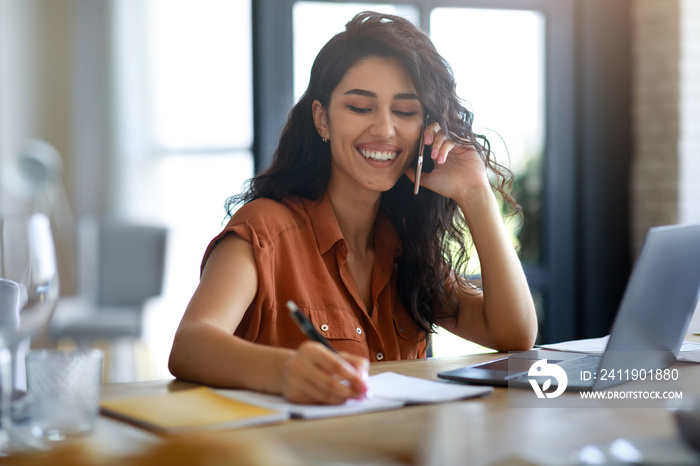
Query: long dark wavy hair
x=431 y=228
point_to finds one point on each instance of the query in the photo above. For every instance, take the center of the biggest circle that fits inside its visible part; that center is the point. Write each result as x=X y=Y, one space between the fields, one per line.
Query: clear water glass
x=65 y=392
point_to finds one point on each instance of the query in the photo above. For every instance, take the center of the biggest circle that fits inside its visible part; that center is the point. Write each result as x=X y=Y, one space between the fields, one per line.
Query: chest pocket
x=341 y=329
x=411 y=338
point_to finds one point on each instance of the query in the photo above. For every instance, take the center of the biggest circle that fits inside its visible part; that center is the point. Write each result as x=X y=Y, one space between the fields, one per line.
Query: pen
x=312 y=334
x=419 y=164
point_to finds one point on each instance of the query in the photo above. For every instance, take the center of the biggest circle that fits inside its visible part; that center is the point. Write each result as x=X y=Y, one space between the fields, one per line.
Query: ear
x=320 y=119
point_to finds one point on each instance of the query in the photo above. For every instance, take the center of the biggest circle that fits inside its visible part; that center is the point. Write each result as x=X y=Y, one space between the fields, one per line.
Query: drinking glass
x=28 y=295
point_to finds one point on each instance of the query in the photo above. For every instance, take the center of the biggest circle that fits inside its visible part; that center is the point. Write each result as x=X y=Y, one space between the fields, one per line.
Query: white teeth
x=378 y=155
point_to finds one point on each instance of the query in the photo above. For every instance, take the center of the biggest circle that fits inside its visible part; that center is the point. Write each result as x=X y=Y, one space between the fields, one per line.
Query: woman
x=334 y=226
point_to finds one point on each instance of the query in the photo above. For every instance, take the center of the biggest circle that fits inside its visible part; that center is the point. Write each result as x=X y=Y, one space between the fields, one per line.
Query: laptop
x=647 y=333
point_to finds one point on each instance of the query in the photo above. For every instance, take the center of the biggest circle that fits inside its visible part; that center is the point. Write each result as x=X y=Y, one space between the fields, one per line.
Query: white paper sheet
x=589 y=345
x=412 y=390
x=389 y=391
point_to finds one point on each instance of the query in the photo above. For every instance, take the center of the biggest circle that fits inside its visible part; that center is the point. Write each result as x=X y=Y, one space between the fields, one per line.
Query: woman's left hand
x=458 y=169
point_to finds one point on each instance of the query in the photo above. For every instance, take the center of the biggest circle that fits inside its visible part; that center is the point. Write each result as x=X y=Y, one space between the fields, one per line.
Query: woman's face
x=373 y=122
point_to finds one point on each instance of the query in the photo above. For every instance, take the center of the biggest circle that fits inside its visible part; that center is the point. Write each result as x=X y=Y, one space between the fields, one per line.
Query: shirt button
x=380 y=356
x=359 y=331
x=324 y=327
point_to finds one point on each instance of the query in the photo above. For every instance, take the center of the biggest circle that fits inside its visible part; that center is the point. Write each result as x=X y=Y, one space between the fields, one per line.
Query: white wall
x=689 y=149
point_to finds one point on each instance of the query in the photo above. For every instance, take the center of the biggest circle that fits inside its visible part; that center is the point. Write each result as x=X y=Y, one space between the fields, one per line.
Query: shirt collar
x=323 y=222
x=327 y=231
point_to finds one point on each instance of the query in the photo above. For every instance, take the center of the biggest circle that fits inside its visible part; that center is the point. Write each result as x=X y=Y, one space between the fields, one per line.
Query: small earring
x=323 y=138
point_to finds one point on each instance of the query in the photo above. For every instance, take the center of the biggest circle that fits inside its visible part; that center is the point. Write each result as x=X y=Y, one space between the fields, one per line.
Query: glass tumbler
x=65 y=391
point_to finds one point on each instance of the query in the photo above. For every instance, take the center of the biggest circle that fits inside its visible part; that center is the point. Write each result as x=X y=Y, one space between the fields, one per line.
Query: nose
x=383 y=125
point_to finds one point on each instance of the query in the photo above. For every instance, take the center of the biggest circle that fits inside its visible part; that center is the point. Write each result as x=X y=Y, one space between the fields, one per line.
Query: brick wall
x=666 y=114
x=655 y=94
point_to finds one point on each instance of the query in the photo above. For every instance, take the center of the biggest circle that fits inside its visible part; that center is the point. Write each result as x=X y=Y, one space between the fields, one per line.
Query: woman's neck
x=356 y=213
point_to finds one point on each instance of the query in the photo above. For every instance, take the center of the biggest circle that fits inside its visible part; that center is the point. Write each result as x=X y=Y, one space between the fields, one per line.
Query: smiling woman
x=368 y=116
x=334 y=225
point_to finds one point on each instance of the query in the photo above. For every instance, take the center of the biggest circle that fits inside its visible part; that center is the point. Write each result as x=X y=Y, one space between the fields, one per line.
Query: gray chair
x=120 y=267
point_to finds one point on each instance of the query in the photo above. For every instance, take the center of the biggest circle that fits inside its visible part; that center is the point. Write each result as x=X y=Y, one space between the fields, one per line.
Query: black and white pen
x=311 y=333
x=306 y=326
x=419 y=162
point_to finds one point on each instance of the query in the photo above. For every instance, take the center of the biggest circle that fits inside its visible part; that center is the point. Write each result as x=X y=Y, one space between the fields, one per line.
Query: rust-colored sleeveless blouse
x=301 y=255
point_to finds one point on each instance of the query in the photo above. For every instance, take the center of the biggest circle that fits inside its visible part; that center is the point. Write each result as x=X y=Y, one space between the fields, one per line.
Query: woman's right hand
x=316 y=375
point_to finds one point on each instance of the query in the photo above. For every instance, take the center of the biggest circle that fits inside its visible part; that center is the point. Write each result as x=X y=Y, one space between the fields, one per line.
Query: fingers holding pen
x=458 y=165
x=316 y=375
x=358 y=377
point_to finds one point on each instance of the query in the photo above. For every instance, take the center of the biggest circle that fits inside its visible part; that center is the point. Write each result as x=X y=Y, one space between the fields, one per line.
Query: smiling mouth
x=381 y=156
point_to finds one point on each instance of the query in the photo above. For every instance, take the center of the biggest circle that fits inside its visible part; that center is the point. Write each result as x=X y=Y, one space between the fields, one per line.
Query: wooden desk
x=478 y=431
x=388 y=437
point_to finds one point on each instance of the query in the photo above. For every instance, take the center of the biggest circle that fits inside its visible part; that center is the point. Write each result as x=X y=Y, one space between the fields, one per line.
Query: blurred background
x=131 y=121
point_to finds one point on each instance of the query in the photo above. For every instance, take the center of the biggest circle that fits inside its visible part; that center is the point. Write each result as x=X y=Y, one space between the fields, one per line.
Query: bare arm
x=205 y=349
x=503 y=315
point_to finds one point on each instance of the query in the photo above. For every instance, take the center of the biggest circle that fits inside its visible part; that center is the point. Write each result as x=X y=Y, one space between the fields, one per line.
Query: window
x=200 y=75
x=502 y=83
x=187 y=110
x=315 y=23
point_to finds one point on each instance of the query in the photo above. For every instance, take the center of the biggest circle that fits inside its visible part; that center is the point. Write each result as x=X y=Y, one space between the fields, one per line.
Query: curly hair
x=429 y=225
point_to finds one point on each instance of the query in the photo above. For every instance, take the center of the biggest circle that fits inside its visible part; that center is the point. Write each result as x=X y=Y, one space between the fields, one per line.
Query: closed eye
x=405 y=114
x=360 y=110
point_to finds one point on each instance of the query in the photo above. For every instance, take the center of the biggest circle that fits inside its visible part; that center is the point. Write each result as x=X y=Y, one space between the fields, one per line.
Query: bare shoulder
x=232 y=255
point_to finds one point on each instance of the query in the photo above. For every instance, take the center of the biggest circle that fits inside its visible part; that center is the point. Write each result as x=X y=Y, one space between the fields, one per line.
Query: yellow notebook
x=192 y=410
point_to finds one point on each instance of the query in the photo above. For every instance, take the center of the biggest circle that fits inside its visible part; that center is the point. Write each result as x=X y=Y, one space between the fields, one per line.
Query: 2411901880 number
x=629 y=375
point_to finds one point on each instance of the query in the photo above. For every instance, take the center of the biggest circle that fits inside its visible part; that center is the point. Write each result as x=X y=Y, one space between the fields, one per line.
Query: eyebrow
x=366 y=93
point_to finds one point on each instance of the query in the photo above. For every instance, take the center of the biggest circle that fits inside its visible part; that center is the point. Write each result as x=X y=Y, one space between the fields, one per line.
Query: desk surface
x=477 y=431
